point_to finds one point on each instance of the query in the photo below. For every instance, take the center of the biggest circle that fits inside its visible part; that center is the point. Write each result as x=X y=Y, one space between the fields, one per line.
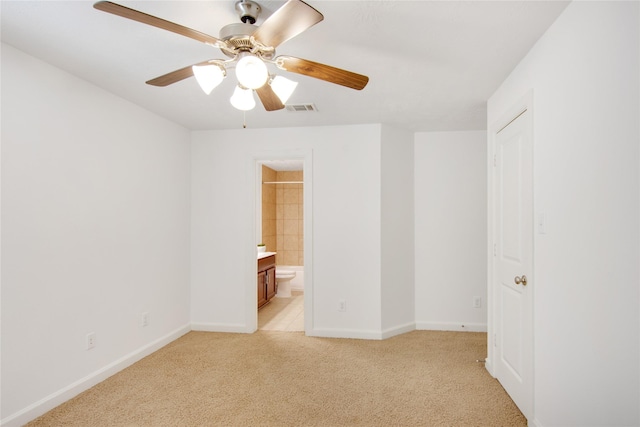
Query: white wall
x=362 y=231
x=346 y=226
x=450 y=230
x=397 y=251
x=584 y=73
x=95 y=231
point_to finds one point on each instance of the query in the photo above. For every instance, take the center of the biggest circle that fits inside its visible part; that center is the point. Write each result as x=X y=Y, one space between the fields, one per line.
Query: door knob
x=522 y=279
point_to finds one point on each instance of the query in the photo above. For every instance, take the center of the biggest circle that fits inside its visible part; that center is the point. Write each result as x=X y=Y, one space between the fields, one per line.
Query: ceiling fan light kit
x=283 y=87
x=251 y=71
x=242 y=99
x=250 y=48
x=209 y=76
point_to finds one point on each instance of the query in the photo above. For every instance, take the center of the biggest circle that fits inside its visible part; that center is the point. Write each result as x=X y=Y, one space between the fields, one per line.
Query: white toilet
x=283 y=279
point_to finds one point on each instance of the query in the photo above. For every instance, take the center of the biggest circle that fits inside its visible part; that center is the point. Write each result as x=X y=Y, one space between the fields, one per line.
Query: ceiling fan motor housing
x=237 y=35
x=238 y=39
x=248 y=11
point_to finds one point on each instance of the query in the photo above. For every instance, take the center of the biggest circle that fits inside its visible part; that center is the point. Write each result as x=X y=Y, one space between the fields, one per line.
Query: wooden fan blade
x=322 y=72
x=294 y=17
x=125 y=12
x=269 y=98
x=175 y=76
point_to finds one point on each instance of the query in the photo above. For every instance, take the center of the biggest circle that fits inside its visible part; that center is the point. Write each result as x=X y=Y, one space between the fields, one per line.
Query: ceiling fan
x=249 y=48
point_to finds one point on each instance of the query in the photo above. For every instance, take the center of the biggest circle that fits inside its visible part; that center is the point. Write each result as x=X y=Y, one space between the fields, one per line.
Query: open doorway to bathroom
x=280 y=226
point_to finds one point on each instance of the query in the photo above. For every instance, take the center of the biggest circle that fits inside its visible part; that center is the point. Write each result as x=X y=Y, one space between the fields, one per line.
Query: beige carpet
x=422 y=378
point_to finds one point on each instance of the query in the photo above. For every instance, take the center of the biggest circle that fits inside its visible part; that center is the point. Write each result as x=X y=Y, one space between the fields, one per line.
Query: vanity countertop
x=265 y=254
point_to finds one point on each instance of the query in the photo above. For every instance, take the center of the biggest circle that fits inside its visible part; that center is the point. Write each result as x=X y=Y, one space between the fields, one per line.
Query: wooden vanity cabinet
x=262 y=289
x=271 y=283
x=267 y=286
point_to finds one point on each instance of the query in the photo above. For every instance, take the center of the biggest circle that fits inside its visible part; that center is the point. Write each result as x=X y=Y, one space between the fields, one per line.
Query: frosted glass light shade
x=283 y=87
x=208 y=76
x=251 y=72
x=242 y=99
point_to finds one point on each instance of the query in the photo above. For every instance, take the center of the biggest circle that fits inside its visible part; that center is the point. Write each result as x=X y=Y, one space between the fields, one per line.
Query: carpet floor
x=422 y=378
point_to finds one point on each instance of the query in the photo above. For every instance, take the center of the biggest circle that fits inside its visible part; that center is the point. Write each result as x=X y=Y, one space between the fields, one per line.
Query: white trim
x=345 y=333
x=363 y=334
x=221 y=327
x=489 y=367
x=452 y=326
x=398 y=330
x=534 y=423
x=57 y=398
x=308 y=239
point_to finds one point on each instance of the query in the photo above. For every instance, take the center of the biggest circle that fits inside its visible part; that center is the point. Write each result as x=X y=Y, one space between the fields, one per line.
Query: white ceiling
x=432 y=64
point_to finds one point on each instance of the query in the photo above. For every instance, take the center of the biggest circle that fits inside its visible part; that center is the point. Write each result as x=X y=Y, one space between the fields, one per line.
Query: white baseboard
x=345 y=333
x=534 y=423
x=398 y=330
x=489 y=367
x=221 y=327
x=451 y=326
x=362 y=334
x=59 y=397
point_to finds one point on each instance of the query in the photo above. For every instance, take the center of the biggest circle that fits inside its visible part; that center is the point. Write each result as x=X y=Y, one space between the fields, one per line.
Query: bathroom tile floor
x=283 y=314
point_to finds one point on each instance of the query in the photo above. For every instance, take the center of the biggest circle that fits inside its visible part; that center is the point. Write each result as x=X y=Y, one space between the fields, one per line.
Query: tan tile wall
x=269 y=209
x=289 y=219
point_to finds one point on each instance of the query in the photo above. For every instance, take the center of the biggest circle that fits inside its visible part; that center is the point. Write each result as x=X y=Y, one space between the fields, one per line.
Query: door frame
x=255 y=174
x=519 y=107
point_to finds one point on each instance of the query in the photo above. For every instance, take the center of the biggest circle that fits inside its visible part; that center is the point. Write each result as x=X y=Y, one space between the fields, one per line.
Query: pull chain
x=244 y=120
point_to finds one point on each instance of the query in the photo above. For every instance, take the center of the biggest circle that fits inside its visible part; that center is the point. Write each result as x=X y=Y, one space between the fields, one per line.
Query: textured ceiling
x=432 y=64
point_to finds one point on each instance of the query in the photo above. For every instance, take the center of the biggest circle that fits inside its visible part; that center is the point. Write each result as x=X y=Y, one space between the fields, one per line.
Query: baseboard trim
x=489 y=367
x=534 y=423
x=362 y=334
x=451 y=326
x=345 y=333
x=221 y=327
x=398 y=330
x=44 y=405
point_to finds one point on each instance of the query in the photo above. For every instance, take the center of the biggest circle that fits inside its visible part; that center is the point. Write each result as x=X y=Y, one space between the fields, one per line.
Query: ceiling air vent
x=301 y=107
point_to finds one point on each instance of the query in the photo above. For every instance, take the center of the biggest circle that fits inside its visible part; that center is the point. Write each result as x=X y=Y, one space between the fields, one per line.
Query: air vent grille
x=301 y=107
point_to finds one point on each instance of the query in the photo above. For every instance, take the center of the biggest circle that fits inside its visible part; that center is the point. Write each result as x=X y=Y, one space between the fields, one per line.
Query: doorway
x=283 y=223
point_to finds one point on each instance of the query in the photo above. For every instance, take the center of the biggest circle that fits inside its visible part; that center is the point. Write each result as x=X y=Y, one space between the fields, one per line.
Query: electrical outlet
x=144 y=319
x=91 y=340
x=477 y=302
x=342 y=305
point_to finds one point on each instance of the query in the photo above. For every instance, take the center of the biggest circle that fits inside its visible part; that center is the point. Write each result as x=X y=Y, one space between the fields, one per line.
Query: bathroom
x=282 y=231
